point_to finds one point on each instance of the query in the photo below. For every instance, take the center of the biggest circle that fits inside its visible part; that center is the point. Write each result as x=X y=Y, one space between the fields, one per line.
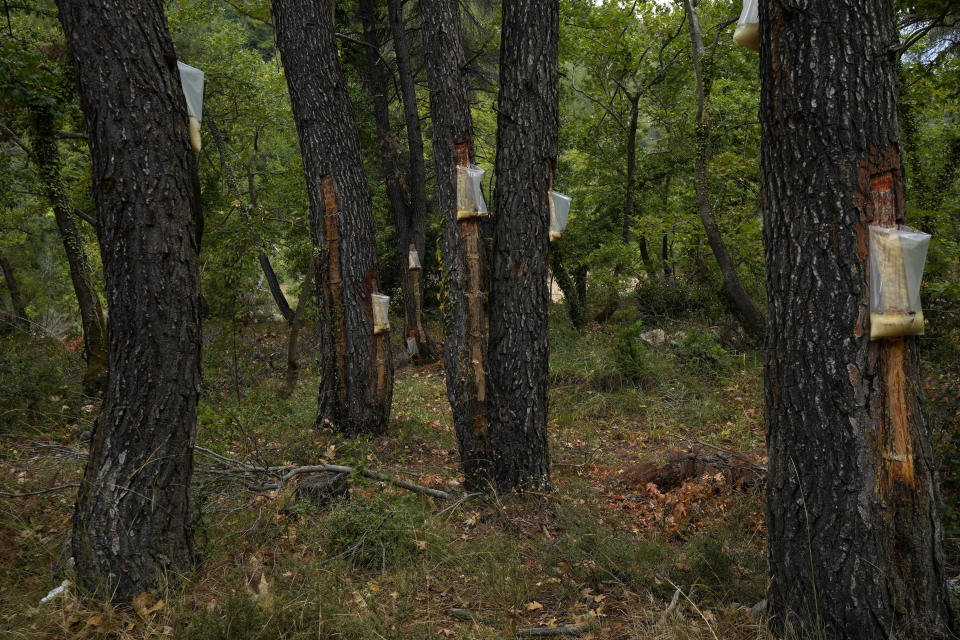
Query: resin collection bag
x=381 y=312
x=191 y=79
x=413 y=258
x=747 y=32
x=897 y=257
x=470 y=202
x=559 y=211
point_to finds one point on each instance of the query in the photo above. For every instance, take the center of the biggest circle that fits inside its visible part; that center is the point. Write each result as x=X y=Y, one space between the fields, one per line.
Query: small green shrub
x=373 y=535
x=677 y=298
x=633 y=359
x=700 y=350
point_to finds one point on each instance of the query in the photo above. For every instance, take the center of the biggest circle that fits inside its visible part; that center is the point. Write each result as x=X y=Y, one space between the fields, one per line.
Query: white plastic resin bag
x=413 y=258
x=191 y=79
x=896 y=270
x=470 y=202
x=559 y=211
x=747 y=32
x=381 y=313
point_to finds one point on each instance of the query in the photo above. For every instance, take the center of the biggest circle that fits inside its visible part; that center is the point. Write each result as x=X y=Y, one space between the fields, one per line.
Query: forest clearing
x=397 y=319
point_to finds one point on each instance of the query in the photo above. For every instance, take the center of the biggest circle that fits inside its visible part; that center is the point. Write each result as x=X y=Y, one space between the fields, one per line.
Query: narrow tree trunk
x=400 y=206
x=645 y=255
x=19 y=309
x=247 y=213
x=357 y=373
x=665 y=256
x=417 y=181
x=631 y=166
x=131 y=530
x=527 y=124
x=743 y=306
x=570 y=294
x=293 y=343
x=465 y=347
x=47 y=156
x=853 y=503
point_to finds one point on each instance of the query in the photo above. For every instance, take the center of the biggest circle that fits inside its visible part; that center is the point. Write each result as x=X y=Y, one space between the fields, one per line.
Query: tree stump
x=322 y=489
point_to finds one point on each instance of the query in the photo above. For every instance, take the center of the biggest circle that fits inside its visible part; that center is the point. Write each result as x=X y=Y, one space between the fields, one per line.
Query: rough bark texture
x=852 y=495
x=357 y=373
x=527 y=124
x=417 y=184
x=405 y=219
x=465 y=346
x=247 y=213
x=743 y=306
x=19 y=309
x=47 y=155
x=131 y=529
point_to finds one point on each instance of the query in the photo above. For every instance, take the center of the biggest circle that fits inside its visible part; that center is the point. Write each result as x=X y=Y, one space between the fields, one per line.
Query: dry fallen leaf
x=533 y=606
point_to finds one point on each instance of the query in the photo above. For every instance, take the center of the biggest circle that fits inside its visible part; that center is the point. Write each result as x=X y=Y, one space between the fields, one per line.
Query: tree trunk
x=464 y=351
x=853 y=503
x=631 y=166
x=400 y=206
x=743 y=306
x=247 y=213
x=357 y=373
x=293 y=354
x=417 y=181
x=19 y=309
x=131 y=530
x=570 y=294
x=527 y=124
x=47 y=156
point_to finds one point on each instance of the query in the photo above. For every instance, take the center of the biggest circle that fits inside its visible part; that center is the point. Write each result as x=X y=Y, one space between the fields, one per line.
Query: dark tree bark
x=631 y=165
x=293 y=348
x=853 y=504
x=743 y=306
x=47 y=155
x=357 y=373
x=131 y=530
x=13 y=286
x=465 y=348
x=247 y=213
x=527 y=125
x=405 y=218
x=416 y=181
x=19 y=308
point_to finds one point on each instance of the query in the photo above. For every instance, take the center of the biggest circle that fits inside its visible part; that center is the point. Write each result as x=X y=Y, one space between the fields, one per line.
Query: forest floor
x=621 y=545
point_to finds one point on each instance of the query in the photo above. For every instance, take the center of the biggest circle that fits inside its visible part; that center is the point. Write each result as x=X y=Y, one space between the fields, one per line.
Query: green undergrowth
x=389 y=563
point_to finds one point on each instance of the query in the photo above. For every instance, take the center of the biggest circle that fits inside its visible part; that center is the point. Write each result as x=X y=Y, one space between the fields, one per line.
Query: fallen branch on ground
x=285 y=473
x=574 y=630
x=7 y=494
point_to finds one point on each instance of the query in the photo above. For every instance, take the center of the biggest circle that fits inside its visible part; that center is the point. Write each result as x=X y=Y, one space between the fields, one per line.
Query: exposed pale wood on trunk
x=356 y=370
x=853 y=503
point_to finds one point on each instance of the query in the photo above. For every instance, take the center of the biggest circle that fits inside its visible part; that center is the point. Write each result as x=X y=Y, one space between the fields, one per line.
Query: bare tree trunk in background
x=571 y=296
x=47 y=155
x=743 y=306
x=416 y=181
x=19 y=309
x=293 y=354
x=853 y=501
x=247 y=213
x=356 y=382
x=131 y=528
x=465 y=350
x=400 y=206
